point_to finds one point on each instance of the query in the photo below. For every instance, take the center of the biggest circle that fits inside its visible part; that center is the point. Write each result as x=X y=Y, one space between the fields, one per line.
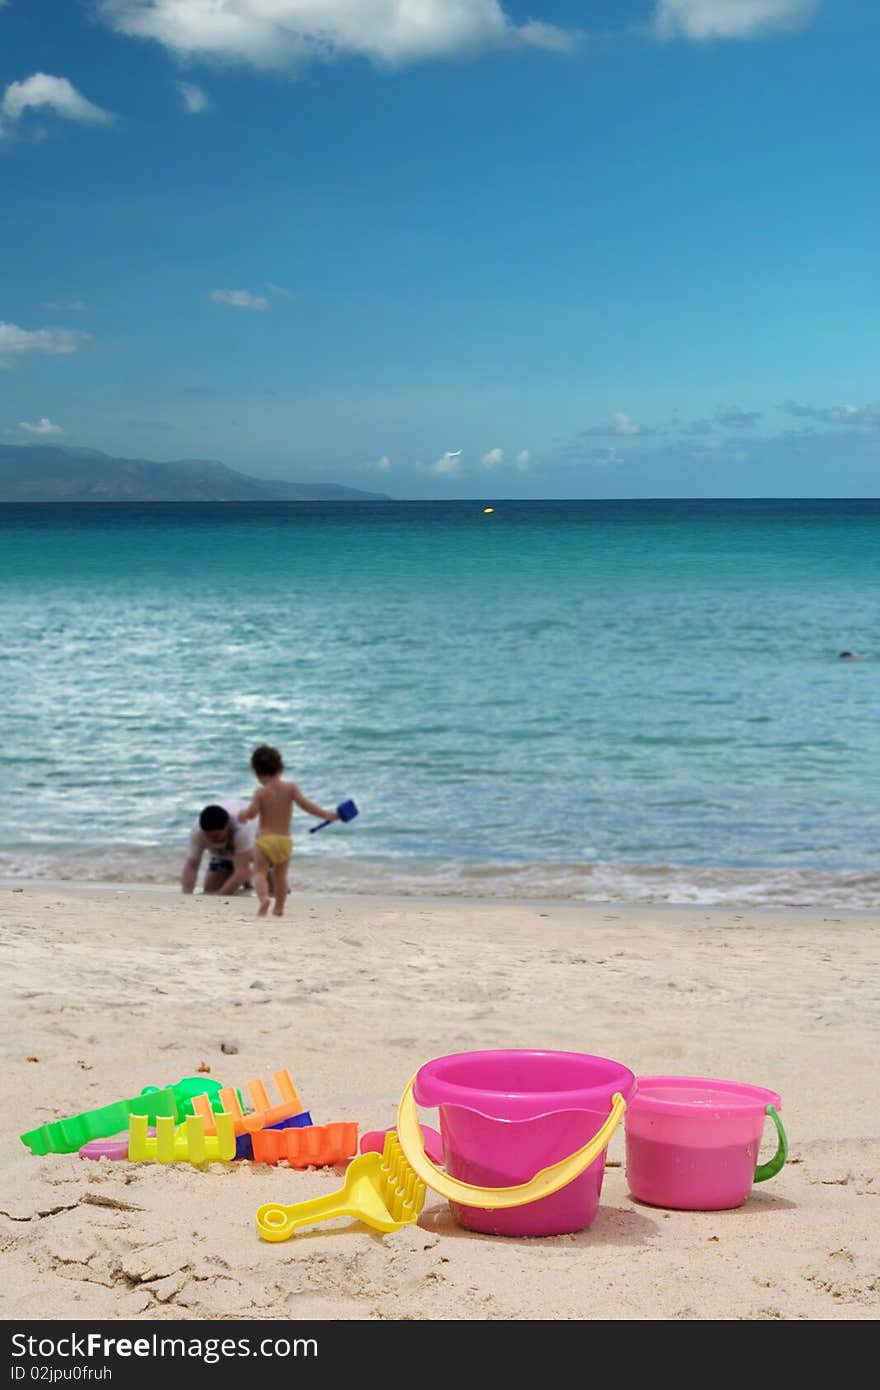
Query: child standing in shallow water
x=274 y=803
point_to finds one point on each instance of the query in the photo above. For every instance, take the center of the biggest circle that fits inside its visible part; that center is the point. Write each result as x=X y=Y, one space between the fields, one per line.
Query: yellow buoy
x=487 y=510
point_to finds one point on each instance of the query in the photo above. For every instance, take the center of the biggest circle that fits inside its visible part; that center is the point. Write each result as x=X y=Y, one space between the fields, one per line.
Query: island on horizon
x=58 y=473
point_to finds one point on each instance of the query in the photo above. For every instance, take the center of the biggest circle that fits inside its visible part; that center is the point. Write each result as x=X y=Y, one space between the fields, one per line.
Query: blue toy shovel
x=346 y=810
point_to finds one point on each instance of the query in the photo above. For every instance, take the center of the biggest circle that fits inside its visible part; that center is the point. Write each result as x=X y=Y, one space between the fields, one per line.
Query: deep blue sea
x=636 y=700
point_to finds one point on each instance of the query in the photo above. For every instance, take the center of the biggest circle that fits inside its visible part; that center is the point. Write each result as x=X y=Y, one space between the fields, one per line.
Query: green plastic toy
x=67 y=1136
x=185 y=1092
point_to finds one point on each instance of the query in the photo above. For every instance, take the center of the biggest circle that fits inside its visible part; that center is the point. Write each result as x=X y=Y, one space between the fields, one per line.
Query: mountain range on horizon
x=59 y=473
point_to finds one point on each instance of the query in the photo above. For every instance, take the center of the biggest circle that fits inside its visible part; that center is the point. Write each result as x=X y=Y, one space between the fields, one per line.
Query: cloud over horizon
x=620 y=426
x=448 y=464
x=42 y=427
x=735 y=419
x=52 y=342
x=703 y=20
x=863 y=416
x=290 y=33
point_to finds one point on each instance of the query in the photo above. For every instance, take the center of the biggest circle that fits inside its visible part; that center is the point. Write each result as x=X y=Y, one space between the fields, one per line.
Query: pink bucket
x=692 y=1143
x=505 y=1116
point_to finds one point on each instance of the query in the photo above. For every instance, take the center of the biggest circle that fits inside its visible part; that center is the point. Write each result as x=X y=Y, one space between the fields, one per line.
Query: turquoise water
x=611 y=700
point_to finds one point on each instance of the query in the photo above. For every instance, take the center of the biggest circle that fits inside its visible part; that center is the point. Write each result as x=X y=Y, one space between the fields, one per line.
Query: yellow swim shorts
x=277 y=848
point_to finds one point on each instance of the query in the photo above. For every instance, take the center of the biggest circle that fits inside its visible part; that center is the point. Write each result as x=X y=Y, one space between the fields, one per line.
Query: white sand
x=111 y=991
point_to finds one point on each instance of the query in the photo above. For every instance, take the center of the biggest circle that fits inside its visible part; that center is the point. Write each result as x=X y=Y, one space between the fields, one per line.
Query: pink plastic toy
x=692 y=1143
x=505 y=1116
x=115 y=1149
x=374 y=1142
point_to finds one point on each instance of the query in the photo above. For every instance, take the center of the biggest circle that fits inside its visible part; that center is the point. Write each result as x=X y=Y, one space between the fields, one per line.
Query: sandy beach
x=111 y=990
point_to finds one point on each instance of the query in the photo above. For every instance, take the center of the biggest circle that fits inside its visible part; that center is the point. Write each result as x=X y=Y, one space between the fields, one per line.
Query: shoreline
x=170 y=893
x=112 y=991
x=677 y=885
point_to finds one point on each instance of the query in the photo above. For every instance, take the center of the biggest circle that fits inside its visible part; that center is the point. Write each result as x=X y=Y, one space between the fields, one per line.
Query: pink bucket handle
x=770 y=1169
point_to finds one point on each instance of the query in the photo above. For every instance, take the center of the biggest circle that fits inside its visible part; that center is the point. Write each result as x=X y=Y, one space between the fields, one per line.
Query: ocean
x=611 y=701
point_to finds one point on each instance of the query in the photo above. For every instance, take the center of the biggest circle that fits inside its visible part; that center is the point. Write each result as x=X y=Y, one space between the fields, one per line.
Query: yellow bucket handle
x=543 y=1184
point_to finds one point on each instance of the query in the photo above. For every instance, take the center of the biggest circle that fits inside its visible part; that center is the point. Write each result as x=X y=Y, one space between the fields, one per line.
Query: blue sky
x=448 y=248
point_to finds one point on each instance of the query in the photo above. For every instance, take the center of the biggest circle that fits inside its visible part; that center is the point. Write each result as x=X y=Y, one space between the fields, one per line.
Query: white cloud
x=865 y=416
x=240 y=299
x=192 y=98
x=447 y=464
x=732 y=417
x=43 y=427
x=729 y=19
x=606 y=457
x=536 y=34
x=379 y=465
x=40 y=90
x=52 y=342
x=523 y=459
x=492 y=458
x=66 y=306
x=281 y=33
x=622 y=424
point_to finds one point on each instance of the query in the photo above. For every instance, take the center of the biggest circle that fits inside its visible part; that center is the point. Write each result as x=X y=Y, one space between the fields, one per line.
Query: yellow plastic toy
x=187 y=1144
x=380 y=1189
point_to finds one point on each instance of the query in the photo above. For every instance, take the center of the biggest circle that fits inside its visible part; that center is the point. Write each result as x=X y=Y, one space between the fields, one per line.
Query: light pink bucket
x=506 y=1115
x=692 y=1143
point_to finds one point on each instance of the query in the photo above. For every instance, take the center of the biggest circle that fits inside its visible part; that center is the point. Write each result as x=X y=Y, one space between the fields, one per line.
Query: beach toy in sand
x=264 y=1115
x=524 y=1135
x=114 y=1149
x=314 y=1146
x=692 y=1143
x=374 y=1142
x=244 y=1143
x=346 y=810
x=186 y=1144
x=66 y=1136
x=243 y=1137
x=380 y=1189
x=184 y=1090
x=187 y=1089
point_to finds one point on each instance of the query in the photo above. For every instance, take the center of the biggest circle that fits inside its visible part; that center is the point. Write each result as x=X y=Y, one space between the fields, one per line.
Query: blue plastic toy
x=346 y=810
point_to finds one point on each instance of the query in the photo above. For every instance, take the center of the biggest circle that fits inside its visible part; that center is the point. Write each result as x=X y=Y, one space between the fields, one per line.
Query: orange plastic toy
x=314 y=1146
x=263 y=1113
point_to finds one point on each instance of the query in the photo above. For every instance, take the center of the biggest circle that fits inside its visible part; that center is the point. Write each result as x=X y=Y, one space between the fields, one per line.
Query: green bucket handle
x=769 y=1170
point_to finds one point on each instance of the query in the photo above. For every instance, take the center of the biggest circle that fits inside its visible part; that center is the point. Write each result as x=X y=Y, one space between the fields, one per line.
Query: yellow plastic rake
x=188 y=1144
x=380 y=1189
